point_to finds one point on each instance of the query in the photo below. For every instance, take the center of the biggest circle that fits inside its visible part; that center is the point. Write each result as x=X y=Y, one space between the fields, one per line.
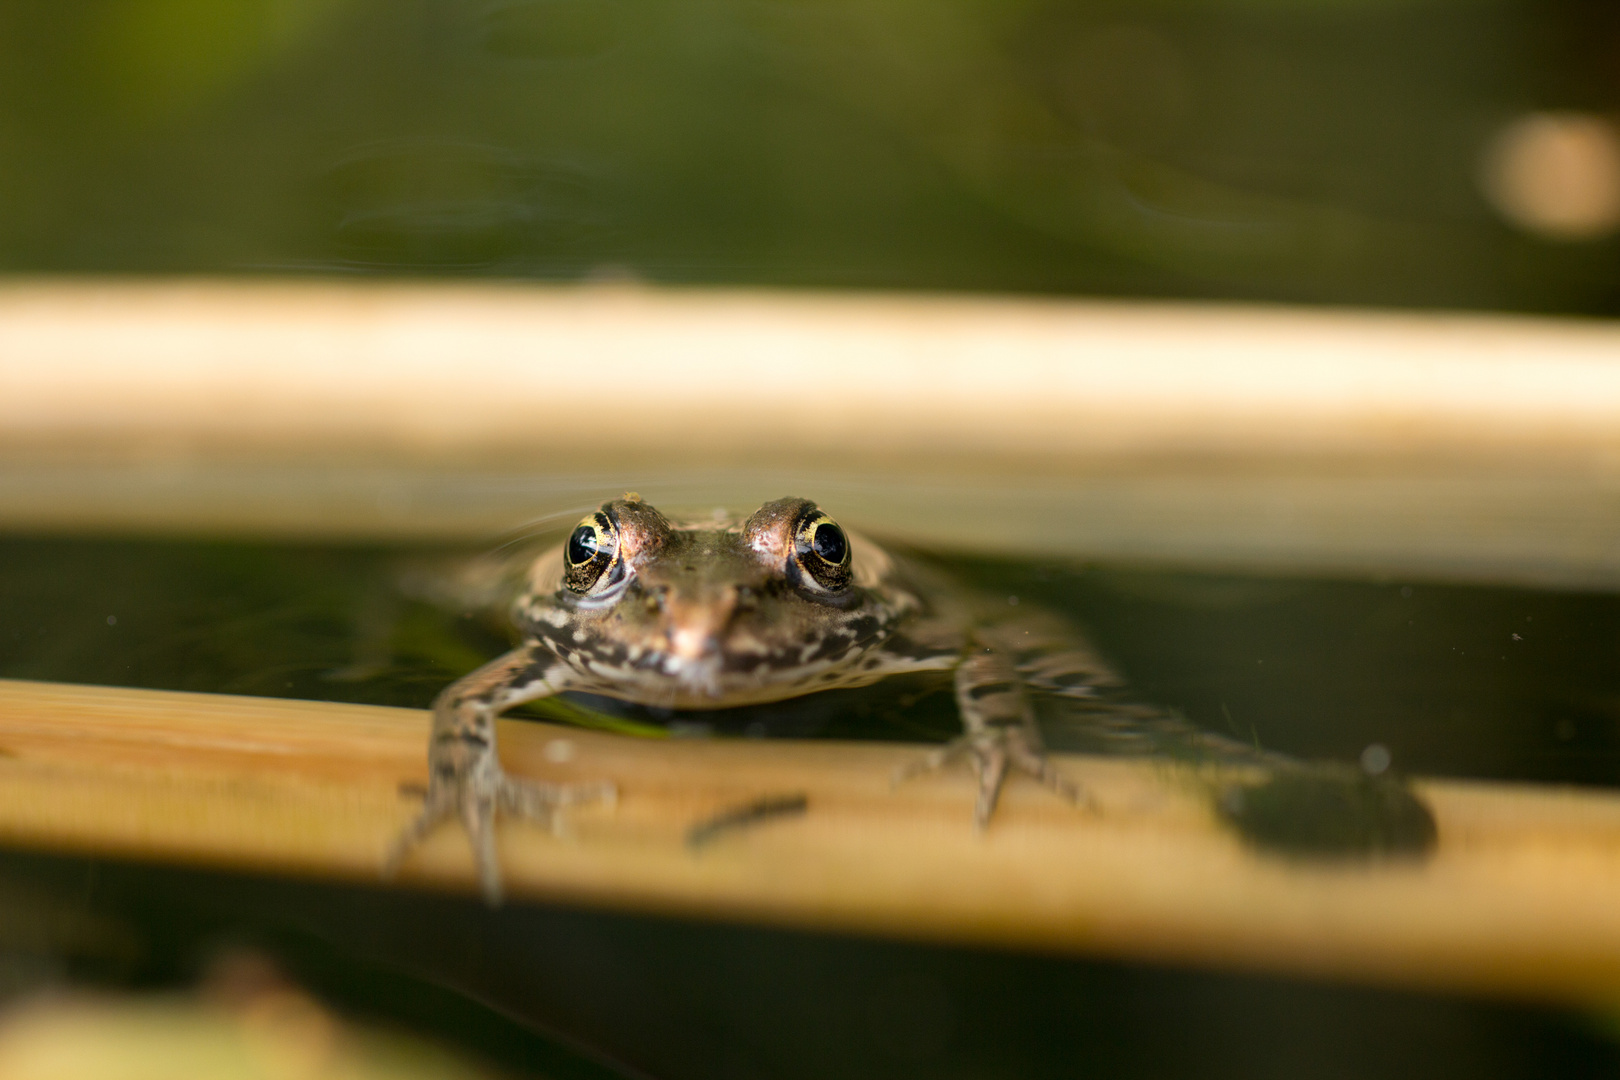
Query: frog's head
x=714 y=605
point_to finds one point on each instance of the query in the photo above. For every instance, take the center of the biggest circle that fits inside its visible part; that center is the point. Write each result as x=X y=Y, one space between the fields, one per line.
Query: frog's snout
x=696 y=623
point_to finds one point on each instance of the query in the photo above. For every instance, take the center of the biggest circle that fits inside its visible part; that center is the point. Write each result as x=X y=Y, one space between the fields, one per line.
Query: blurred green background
x=1343 y=151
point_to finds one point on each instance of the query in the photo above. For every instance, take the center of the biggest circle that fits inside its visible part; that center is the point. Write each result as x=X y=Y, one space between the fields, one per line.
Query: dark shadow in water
x=1330 y=812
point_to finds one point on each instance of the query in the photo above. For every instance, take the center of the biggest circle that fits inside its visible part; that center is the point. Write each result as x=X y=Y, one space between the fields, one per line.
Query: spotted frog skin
x=715 y=614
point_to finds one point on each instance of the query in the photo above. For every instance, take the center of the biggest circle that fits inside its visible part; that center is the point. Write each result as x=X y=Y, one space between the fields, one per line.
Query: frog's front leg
x=998 y=732
x=464 y=770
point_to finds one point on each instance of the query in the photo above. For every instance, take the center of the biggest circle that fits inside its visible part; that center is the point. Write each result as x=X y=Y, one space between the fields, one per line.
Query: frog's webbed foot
x=999 y=733
x=466 y=779
x=476 y=799
x=994 y=753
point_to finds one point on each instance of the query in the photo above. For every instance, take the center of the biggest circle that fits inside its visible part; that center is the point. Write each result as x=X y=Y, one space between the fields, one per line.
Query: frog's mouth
x=710 y=682
x=696 y=674
x=713 y=680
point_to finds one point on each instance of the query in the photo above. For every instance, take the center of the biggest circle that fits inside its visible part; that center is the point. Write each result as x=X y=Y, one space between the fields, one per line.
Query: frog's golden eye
x=823 y=551
x=591 y=549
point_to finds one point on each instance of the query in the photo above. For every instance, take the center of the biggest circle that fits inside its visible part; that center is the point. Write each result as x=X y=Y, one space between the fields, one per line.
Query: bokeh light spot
x=1556 y=174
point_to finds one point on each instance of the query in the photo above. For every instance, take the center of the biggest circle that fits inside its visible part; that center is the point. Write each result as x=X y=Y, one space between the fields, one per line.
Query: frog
x=713 y=613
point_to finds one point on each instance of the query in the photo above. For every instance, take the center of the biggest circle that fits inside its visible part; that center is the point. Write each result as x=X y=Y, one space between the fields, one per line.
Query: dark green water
x=1316 y=150
x=1462 y=681
x=1495 y=683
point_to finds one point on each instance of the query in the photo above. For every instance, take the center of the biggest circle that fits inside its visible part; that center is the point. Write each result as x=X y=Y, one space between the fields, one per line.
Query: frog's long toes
x=992 y=767
x=1036 y=765
x=478 y=817
x=434 y=810
x=932 y=761
x=541 y=802
x=914 y=767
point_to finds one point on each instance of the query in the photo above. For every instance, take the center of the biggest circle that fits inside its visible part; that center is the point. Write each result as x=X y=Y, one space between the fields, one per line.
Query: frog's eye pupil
x=820 y=557
x=828 y=541
x=592 y=551
x=582 y=545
